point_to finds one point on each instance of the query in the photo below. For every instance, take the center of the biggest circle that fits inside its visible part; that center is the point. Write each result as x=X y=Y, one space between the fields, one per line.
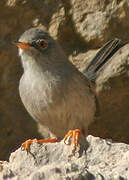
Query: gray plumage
x=53 y=91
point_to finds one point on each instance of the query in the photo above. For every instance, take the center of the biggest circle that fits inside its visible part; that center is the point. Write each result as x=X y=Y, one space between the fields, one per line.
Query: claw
x=26 y=144
x=75 y=135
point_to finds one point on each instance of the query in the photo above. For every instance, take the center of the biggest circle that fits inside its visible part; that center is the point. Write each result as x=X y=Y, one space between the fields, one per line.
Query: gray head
x=37 y=45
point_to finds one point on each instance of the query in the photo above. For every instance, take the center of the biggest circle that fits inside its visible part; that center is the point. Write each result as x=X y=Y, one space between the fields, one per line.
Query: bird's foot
x=75 y=136
x=26 y=144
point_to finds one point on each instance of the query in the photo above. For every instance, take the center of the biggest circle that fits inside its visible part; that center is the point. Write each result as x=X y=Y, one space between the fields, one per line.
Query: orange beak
x=22 y=45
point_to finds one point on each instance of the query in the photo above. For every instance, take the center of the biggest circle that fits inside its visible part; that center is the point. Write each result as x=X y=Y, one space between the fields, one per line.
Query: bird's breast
x=37 y=93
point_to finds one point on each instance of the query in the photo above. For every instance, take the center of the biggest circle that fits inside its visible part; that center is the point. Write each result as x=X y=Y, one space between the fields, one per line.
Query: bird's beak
x=22 y=45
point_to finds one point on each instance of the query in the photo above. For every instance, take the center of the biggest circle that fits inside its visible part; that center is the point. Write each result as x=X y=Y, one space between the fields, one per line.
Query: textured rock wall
x=81 y=27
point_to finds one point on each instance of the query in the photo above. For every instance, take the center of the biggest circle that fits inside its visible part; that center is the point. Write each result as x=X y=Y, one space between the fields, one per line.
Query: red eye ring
x=42 y=43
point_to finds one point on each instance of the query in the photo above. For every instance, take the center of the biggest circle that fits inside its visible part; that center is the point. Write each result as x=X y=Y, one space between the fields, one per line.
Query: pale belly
x=55 y=108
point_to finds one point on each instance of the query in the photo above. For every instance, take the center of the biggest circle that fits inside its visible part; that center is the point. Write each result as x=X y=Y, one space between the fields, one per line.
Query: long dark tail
x=103 y=55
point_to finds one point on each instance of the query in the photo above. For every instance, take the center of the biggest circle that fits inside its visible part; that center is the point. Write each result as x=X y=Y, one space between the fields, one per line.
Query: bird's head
x=38 y=45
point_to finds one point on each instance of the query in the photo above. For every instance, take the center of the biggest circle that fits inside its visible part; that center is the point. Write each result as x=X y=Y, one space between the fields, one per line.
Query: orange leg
x=26 y=144
x=75 y=135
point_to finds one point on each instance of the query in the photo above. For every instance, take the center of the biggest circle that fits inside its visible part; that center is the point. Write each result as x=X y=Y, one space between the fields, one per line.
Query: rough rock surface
x=95 y=158
x=79 y=26
x=97 y=21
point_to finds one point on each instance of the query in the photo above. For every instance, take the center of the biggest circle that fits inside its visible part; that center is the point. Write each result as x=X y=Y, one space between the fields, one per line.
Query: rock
x=80 y=23
x=113 y=95
x=95 y=158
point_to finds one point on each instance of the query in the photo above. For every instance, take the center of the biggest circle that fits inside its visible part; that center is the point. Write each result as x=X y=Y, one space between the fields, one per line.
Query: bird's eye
x=42 y=44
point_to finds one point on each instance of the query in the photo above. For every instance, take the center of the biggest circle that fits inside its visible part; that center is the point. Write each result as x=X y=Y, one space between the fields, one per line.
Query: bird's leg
x=72 y=134
x=75 y=135
x=26 y=144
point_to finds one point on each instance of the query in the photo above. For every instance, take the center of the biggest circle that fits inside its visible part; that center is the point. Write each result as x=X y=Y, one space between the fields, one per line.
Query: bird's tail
x=103 y=55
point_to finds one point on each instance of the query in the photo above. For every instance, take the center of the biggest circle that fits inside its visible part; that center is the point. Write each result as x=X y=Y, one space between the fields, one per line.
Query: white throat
x=28 y=61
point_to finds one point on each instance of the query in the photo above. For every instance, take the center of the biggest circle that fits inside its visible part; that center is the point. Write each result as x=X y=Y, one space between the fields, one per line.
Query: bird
x=54 y=92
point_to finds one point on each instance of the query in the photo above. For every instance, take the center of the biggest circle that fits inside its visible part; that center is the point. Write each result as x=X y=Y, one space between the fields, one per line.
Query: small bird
x=53 y=90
